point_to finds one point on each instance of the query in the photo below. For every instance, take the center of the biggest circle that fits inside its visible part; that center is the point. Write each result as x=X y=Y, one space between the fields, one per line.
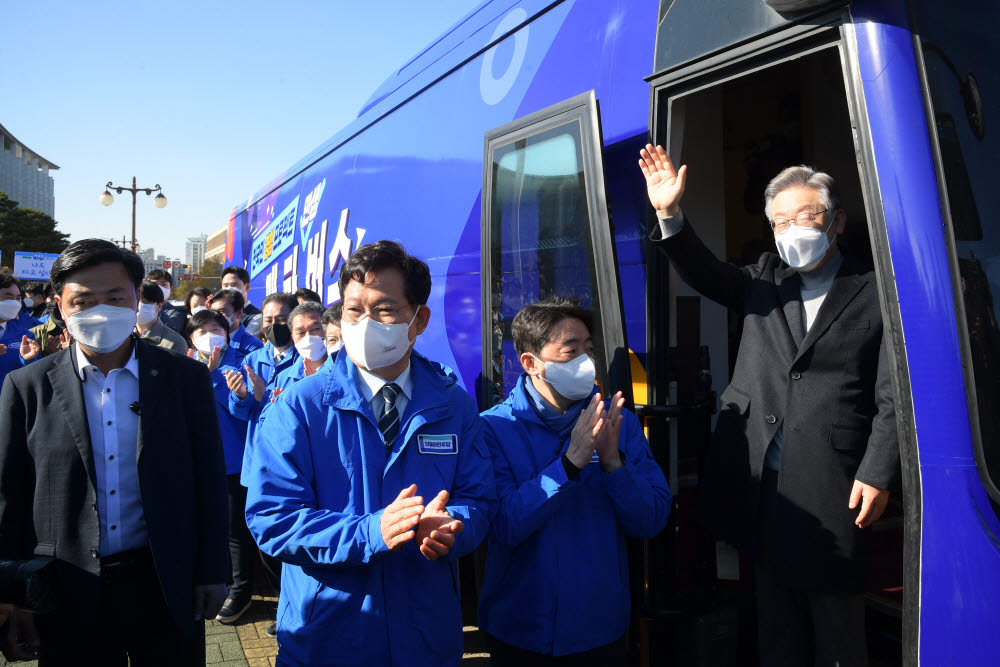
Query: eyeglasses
x=804 y=219
x=331 y=340
x=383 y=314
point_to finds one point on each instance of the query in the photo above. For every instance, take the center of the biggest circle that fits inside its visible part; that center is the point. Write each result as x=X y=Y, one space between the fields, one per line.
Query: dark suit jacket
x=48 y=498
x=830 y=389
x=174 y=317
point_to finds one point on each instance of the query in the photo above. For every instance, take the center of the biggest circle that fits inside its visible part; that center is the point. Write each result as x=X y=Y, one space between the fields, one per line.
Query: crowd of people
x=161 y=453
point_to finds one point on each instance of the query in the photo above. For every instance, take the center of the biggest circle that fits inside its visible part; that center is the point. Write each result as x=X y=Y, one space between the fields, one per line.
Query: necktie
x=388 y=421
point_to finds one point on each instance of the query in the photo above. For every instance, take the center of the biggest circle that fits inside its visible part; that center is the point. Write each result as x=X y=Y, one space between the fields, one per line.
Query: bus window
x=546 y=224
x=960 y=55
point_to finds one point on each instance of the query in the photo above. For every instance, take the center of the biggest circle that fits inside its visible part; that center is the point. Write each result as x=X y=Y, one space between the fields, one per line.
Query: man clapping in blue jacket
x=369 y=481
x=572 y=481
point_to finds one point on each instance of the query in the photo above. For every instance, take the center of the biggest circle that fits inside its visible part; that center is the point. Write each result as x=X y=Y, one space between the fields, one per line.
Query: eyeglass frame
x=788 y=222
x=368 y=313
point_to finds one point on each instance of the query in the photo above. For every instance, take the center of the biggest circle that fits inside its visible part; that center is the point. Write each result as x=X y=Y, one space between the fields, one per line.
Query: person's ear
x=839 y=221
x=423 y=319
x=531 y=364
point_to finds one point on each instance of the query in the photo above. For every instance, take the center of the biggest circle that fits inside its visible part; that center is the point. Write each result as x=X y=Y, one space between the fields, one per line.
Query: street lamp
x=107 y=199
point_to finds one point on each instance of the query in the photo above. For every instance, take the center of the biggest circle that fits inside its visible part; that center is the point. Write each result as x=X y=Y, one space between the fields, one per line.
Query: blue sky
x=209 y=99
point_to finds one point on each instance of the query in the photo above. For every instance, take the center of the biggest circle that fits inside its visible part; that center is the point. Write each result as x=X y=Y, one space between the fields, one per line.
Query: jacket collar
x=849 y=281
x=520 y=405
x=343 y=392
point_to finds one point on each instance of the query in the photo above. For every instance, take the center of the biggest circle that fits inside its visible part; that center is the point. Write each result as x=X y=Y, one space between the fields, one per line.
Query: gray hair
x=802 y=176
x=305 y=308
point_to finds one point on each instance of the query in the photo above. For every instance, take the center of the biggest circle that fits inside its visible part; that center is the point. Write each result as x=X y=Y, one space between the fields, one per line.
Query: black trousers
x=797 y=628
x=505 y=655
x=242 y=548
x=133 y=626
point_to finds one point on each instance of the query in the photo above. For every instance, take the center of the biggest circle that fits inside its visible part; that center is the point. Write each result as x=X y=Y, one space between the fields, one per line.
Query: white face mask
x=102 y=328
x=802 y=248
x=198 y=309
x=335 y=348
x=311 y=347
x=29 y=302
x=572 y=379
x=146 y=313
x=9 y=309
x=166 y=292
x=207 y=342
x=374 y=345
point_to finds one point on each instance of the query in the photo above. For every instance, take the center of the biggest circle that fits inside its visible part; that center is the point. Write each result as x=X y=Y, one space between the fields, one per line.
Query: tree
x=211 y=270
x=27 y=229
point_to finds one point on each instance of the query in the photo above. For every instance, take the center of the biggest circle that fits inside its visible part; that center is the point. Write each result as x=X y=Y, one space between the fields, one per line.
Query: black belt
x=126 y=559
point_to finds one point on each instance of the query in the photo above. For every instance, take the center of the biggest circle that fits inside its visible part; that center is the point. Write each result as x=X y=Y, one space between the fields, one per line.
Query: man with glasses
x=369 y=480
x=805 y=445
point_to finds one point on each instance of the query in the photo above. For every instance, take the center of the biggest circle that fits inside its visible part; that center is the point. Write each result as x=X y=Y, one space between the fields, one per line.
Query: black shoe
x=271 y=630
x=232 y=610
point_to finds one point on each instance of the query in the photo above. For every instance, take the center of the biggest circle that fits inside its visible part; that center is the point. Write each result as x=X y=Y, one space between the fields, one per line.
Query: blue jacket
x=11 y=337
x=556 y=578
x=232 y=422
x=27 y=320
x=318 y=483
x=244 y=342
x=262 y=363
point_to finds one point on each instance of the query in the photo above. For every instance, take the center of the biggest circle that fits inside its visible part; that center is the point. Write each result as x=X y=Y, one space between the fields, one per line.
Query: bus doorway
x=735 y=130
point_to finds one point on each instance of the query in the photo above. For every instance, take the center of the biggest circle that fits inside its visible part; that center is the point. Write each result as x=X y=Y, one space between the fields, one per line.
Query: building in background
x=24 y=175
x=216 y=246
x=194 y=251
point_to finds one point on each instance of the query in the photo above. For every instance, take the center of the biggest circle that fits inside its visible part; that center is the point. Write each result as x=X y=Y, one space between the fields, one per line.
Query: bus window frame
x=833 y=30
x=583 y=109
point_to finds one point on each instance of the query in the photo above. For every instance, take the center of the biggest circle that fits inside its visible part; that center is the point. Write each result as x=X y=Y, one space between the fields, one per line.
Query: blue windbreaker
x=12 y=336
x=244 y=342
x=262 y=363
x=556 y=578
x=232 y=422
x=319 y=480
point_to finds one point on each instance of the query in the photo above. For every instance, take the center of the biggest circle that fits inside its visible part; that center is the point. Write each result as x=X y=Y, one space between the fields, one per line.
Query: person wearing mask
x=34 y=299
x=173 y=316
x=148 y=324
x=195 y=302
x=575 y=477
x=230 y=303
x=304 y=294
x=111 y=464
x=50 y=304
x=308 y=336
x=339 y=466
x=17 y=343
x=805 y=447
x=51 y=335
x=236 y=277
x=25 y=317
x=331 y=327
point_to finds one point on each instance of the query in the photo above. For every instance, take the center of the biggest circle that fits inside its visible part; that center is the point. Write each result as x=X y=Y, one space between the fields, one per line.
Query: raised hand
x=235 y=382
x=437 y=529
x=607 y=441
x=276 y=393
x=664 y=185
x=257 y=382
x=401 y=517
x=214 y=359
x=584 y=436
x=30 y=349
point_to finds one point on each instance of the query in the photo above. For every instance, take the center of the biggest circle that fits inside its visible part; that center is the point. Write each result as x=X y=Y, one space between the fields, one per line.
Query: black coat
x=831 y=390
x=48 y=487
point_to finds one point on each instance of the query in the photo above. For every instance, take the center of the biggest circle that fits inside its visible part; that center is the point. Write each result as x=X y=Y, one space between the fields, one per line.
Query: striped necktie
x=388 y=421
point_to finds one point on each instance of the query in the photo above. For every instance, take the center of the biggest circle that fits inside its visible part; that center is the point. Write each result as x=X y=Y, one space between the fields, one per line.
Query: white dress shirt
x=370 y=386
x=114 y=439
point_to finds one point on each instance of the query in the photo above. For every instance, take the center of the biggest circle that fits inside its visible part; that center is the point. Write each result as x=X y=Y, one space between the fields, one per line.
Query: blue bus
x=504 y=154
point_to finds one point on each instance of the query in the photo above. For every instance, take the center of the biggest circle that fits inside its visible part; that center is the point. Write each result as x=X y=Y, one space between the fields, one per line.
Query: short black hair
x=239 y=272
x=389 y=255
x=533 y=324
x=233 y=297
x=150 y=291
x=305 y=308
x=33 y=287
x=199 y=291
x=203 y=317
x=159 y=274
x=285 y=298
x=307 y=294
x=92 y=252
x=7 y=279
x=332 y=314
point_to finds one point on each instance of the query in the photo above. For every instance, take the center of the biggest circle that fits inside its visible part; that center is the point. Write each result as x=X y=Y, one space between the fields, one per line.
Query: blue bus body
x=411 y=168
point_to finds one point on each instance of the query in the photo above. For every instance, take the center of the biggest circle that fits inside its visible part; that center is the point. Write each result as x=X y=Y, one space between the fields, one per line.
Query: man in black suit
x=172 y=316
x=111 y=463
x=807 y=430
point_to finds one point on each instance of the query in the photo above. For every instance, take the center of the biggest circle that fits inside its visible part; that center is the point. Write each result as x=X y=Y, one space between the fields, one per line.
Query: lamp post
x=106 y=199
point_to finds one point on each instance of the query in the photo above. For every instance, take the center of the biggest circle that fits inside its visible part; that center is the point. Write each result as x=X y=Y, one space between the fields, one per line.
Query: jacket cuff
x=374 y=544
x=667 y=227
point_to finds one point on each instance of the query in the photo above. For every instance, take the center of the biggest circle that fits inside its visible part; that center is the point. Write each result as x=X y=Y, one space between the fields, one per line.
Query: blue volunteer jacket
x=319 y=480
x=556 y=578
x=262 y=363
x=232 y=422
x=11 y=337
x=244 y=342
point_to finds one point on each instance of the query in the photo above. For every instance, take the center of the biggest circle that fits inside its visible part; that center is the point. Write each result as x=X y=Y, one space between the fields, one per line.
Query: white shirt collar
x=82 y=363
x=372 y=384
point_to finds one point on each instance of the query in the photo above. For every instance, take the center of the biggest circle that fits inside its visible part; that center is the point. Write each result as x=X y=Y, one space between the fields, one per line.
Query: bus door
x=736 y=120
